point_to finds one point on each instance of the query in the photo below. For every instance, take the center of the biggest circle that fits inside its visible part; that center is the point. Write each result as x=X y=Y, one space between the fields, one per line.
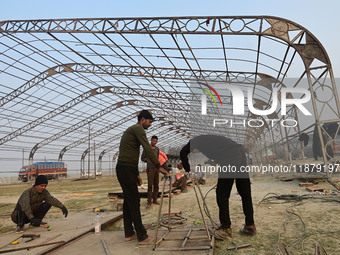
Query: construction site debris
x=313 y=189
x=305 y=184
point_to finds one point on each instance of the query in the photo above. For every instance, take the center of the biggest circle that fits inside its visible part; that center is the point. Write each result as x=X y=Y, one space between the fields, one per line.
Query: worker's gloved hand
x=65 y=212
x=35 y=222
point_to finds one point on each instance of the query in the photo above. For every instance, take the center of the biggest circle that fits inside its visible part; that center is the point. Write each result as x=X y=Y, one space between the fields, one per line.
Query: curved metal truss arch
x=57 y=76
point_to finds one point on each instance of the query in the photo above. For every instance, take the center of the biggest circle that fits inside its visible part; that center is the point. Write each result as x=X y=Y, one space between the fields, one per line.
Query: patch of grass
x=7 y=206
x=5 y=229
x=13 y=189
x=116 y=226
x=269 y=222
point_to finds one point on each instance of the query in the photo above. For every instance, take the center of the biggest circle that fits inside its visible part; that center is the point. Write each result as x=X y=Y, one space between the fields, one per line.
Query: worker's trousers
x=223 y=190
x=19 y=217
x=127 y=177
x=225 y=184
x=153 y=184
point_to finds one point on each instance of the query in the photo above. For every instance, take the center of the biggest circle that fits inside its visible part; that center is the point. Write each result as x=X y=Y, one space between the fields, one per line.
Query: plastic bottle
x=97 y=225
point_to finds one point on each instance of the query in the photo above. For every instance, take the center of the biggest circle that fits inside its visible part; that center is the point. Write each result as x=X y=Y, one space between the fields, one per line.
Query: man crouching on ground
x=33 y=205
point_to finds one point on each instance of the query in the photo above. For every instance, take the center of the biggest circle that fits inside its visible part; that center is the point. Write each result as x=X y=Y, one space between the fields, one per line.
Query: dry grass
x=275 y=222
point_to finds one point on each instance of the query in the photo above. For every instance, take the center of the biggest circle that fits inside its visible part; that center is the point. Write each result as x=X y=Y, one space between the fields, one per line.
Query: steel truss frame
x=59 y=75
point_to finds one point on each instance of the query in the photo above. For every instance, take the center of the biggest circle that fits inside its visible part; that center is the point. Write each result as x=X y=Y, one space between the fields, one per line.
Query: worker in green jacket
x=129 y=179
x=34 y=203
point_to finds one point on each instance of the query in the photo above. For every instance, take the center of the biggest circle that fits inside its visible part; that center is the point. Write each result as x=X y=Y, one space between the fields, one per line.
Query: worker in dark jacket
x=129 y=179
x=229 y=155
x=34 y=203
x=152 y=173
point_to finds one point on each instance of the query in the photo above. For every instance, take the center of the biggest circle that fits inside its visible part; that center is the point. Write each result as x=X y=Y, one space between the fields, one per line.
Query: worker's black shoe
x=249 y=230
x=20 y=229
x=201 y=181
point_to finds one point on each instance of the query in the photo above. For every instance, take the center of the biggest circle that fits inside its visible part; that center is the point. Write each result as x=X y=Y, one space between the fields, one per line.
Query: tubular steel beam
x=138 y=71
x=111 y=108
x=228 y=25
x=316 y=64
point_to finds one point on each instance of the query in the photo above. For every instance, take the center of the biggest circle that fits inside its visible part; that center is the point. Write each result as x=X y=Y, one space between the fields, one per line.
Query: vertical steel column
x=317 y=122
x=265 y=146
x=273 y=141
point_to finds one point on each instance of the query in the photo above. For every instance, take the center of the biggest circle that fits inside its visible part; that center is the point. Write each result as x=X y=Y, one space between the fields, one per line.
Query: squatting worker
x=225 y=152
x=128 y=176
x=34 y=203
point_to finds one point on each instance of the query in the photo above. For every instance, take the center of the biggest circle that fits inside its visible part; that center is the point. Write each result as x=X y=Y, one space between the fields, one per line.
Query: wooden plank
x=239 y=247
x=313 y=189
x=79 y=236
x=286 y=179
x=172 y=213
x=305 y=184
x=63 y=229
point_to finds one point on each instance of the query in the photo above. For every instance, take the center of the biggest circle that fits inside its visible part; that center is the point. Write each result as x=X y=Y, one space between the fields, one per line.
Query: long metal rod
x=181 y=238
x=88 y=156
x=211 y=251
x=204 y=204
x=169 y=209
x=105 y=248
x=199 y=206
x=239 y=246
x=207 y=247
x=186 y=238
x=159 y=216
x=31 y=247
x=163 y=237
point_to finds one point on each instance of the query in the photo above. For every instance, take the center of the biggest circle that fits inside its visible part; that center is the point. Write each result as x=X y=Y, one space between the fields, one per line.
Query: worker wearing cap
x=34 y=203
x=129 y=179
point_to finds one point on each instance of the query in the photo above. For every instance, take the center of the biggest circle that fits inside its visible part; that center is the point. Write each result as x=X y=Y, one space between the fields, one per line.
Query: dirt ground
x=299 y=225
